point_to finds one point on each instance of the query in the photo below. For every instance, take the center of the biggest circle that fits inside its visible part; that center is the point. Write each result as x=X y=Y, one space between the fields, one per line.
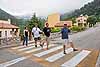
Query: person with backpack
x=26 y=32
x=36 y=33
x=65 y=31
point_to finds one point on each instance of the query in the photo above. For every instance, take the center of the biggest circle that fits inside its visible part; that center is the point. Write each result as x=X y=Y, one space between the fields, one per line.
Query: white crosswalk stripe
x=77 y=59
x=59 y=55
x=26 y=48
x=9 y=63
x=74 y=61
x=48 y=51
x=30 y=51
x=19 y=47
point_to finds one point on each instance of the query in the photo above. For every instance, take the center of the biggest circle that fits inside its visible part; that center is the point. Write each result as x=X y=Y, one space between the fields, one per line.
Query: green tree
x=32 y=21
x=31 y=24
x=41 y=23
x=92 y=21
x=73 y=21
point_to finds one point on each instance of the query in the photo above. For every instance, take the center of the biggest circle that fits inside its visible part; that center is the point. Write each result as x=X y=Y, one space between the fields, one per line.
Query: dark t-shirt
x=47 y=31
x=65 y=32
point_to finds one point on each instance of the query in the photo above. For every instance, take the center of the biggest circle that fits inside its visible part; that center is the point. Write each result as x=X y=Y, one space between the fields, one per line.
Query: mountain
x=5 y=16
x=92 y=8
x=26 y=16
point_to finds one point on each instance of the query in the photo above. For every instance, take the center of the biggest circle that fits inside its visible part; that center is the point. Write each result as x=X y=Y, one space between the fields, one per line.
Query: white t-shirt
x=36 y=31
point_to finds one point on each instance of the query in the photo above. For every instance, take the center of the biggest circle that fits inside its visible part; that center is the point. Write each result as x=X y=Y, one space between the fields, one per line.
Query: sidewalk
x=13 y=45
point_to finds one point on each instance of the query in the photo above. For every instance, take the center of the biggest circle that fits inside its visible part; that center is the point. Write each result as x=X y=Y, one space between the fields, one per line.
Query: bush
x=54 y=30
x=77 y=29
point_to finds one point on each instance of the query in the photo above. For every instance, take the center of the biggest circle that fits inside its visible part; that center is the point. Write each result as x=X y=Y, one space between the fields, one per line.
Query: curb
x=7 y=46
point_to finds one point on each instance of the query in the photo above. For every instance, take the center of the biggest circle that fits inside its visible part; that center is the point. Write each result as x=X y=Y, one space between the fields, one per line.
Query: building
x=61 y=23
x=81 y=20
x=7 y=29
x=54 y=21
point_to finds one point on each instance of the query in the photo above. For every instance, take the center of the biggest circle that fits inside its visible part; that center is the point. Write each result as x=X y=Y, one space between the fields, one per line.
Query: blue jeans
x=25 y=40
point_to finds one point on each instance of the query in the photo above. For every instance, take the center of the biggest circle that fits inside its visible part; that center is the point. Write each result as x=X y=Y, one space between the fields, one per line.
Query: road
x=87 y=41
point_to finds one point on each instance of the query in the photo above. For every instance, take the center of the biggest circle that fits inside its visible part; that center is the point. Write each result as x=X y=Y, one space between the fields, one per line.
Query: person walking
x=47 y=32
x=25 y=36
x=71 y=43
x=65 y=31
x=36 y=33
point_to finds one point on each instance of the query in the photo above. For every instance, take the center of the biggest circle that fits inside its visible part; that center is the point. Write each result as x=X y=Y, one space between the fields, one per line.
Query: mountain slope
x=92 y=8
x=5 y=16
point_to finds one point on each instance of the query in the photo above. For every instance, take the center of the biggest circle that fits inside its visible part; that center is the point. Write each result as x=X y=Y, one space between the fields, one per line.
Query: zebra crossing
x=53 y=55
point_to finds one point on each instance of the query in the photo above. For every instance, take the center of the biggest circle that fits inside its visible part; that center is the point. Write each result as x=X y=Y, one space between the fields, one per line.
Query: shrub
x=77 y=29
x=54 y=30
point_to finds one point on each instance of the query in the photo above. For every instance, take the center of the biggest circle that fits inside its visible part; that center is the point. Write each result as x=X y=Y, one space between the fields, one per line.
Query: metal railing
x=9 y=40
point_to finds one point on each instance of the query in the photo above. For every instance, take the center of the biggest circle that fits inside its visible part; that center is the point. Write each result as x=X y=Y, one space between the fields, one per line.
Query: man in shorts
x=47 y=31
x=65 y=31
x=36 y=33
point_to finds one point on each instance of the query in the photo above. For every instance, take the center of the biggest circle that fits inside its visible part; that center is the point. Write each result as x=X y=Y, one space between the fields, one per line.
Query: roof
x=61 y=23
x=84 y=18
x=7 y=26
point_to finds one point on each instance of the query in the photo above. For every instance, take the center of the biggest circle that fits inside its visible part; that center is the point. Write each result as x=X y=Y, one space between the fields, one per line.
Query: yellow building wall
x=53 y=19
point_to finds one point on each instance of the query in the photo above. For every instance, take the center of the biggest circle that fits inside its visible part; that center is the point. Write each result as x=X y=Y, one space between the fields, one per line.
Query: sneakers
x=41 y=45
x=75 y=49
x=35 y=45
x=64 y=52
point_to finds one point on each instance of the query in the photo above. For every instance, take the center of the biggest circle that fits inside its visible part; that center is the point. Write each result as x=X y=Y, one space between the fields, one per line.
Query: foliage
x=54 y=30
x=34 y=20
x=31 y=23
x=41 y=23
x=92 y=8
x=92 y=20
x=77 y=29
x=5 y=16
x=73 y=21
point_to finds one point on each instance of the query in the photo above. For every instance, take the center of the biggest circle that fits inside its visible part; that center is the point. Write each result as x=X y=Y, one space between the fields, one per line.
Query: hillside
x=92 y=8
x=5 y=16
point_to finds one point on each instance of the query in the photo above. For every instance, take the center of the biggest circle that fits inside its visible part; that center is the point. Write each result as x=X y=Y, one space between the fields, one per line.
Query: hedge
x=77 y=29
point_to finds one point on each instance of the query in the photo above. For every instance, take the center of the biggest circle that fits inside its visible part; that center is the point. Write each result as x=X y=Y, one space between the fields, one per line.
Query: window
x=5 y=33
x=0 y=33
x=12 y=29
x=78 y=20
x=10 y=32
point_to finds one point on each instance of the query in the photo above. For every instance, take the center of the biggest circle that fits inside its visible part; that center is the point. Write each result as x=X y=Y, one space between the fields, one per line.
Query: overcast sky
x=41 y=7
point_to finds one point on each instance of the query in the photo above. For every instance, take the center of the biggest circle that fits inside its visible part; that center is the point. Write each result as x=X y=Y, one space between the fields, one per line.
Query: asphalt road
x=89 y=39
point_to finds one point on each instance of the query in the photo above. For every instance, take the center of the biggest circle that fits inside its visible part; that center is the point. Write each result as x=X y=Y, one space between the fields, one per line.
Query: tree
x=73 y=21
x=92 y=21
x=41 y=23
x=31 y=24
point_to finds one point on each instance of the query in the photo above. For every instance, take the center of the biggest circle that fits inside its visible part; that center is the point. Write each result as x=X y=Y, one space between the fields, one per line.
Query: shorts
x=65 y=42
x=47 y=39
x=69 y=39
x=38 y=38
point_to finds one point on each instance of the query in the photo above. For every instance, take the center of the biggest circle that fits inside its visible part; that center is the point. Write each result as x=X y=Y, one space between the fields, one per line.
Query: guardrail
x=9 y=40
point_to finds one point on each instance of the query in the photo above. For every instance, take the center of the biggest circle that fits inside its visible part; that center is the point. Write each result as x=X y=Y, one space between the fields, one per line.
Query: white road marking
x=98 y=61
x=77 y=59
x=48 y=51
x=26 y=48
x=33 y=50
x=59 y=55
x=18 y=47
x=9 y=63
